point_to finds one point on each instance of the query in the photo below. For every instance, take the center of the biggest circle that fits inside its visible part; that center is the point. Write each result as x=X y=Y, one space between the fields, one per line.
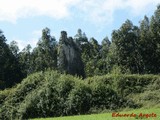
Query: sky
x=23 y=20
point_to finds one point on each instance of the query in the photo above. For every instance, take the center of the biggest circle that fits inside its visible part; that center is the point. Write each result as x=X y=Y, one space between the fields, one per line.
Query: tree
x=105 y=47
x=126 y=42
x=10 y=72
x=155 y=41
x=104 y=61
x=14 y=48
x=80 y=39
x=146 y=46
x=92 y=58
x=45 y=54
x=26 y=60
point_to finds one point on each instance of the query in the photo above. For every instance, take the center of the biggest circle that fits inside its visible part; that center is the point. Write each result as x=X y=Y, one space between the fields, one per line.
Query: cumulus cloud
x=102 y=11
x=37 y=33
x=23 y=43
x=96 y=11
x=11 y=10
x=141 y=7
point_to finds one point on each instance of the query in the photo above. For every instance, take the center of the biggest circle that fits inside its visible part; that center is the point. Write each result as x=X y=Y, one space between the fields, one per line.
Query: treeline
x=132 y=49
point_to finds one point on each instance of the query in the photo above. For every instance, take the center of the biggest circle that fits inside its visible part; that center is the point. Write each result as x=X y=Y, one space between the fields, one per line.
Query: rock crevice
x=69 y=60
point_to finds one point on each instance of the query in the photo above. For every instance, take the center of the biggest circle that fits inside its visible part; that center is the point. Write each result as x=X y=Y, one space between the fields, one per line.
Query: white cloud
x=98 y=12
x=37 y=33
x=102 y=11
x=23 y=43
x=11 y=10
x=95 y=11
x=141 y=7
x=35 y=36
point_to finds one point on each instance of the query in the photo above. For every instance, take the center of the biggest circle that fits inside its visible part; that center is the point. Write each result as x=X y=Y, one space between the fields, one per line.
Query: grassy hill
x=108 y=116
x=51 y=94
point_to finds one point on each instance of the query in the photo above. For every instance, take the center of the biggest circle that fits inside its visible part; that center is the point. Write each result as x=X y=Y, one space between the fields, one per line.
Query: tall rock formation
x=69 y=59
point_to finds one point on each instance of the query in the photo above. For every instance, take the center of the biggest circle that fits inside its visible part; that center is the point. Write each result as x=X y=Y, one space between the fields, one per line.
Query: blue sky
x=23 y=20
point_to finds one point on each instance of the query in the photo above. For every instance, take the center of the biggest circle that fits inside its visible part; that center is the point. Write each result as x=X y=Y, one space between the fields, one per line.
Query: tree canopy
x=132 y=49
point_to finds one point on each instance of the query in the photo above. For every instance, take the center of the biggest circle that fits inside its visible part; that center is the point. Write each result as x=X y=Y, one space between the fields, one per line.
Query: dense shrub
x=49 y=94
x=104 y=97
x=40 y=103
x=4 y=94
x=26 y=95
x=79 y=100
x=127 y=84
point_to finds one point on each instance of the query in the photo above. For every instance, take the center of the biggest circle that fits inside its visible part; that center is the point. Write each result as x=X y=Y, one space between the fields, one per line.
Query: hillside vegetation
x=78 y=75
x=108 y=116
x=132 y=49
x=51 y=94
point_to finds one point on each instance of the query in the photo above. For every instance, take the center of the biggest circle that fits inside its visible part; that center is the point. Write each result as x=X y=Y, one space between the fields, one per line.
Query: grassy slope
x=108 y=116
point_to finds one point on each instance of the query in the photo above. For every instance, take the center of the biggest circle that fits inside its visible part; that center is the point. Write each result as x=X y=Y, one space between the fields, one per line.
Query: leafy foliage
x=10 y=72
x=133 y=50
x=45 y=54
x=50 y=94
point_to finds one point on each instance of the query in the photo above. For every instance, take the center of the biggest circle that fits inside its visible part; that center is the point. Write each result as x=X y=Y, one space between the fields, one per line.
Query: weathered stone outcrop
x=69 y=60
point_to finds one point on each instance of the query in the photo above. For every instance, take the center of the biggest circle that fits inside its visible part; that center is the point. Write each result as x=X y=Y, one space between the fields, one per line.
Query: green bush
x=50 y=94
x=104 y=94
x=127 y=84
x=104 y=97
x=25 y=95
x=40 y=103
x=4 y=94
x=79 y=99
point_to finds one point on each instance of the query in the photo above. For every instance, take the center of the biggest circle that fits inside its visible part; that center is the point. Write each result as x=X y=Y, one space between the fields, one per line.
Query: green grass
x=108 y=116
